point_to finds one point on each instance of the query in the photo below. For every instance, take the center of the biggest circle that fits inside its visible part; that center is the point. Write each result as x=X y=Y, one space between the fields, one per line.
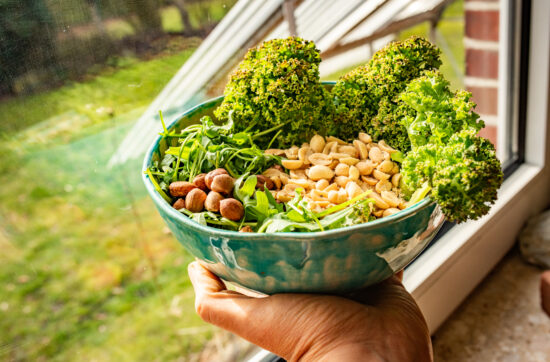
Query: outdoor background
x=88 y=269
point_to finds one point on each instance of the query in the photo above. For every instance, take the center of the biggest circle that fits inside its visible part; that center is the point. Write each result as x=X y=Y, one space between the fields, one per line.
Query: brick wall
x=481 y=45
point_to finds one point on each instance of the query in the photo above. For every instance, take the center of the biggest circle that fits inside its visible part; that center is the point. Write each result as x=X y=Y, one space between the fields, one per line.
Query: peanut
x=318 y=172
x=262 y=180
x=365 y=138
x=376 y=155
x=292 y=164
x=353 y=173
x=365 y=167
x=362 y=149
x=317 y=143
x=342 y=170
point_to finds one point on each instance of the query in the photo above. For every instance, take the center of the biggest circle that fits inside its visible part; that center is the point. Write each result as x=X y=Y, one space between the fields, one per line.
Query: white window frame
x=442 y=277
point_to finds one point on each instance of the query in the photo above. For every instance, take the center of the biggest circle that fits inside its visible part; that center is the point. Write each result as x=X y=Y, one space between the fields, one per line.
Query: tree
x=148 y=16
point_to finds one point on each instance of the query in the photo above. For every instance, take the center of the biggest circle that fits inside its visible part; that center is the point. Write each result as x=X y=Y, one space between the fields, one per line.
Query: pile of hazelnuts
x=211 y=191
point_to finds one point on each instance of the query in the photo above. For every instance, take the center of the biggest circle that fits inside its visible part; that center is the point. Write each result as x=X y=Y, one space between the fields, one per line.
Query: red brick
x=489 y=132
x=486 y=99
x=482 y=25
x=545 y=291
x=482 y=63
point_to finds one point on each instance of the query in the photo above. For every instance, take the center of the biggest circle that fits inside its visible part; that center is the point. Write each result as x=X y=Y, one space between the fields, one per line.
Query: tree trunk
x=181 y=5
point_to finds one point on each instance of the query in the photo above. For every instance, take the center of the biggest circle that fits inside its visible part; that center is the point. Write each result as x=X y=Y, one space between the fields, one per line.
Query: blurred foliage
x=23 y=24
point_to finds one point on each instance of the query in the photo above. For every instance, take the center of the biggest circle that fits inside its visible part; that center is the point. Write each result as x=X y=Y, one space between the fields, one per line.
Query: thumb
x=266 y=322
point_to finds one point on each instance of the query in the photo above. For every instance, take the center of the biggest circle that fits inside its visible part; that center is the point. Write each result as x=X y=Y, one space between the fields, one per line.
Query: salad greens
x=207 y=146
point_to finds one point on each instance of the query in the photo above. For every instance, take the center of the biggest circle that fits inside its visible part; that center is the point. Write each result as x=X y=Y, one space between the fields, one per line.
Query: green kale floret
x=460 y=167
x=464 y=174
x=277 y=85
x=438 y=112
x=365 y=98
x=467 y=177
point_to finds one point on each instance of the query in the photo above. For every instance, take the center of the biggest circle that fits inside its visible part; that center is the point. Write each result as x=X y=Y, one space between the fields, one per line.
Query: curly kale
x=467 y=177
x=460 y=167
x=365 y=98
x=277 y=86
x=438 y=112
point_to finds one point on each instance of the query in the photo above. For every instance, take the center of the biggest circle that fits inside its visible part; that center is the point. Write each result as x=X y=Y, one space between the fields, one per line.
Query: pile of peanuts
x=332 y=171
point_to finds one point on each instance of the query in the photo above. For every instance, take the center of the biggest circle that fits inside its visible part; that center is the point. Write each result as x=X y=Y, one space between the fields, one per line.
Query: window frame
x=443 y=276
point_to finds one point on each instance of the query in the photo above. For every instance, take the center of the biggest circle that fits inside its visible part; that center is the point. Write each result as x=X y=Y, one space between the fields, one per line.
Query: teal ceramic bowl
x=333 y=261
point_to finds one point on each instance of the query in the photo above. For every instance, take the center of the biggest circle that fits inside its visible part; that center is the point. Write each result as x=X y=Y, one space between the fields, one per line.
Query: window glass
x=88 y=269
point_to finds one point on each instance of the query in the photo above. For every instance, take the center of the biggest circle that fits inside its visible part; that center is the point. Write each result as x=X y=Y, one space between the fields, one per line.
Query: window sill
x=442 y=277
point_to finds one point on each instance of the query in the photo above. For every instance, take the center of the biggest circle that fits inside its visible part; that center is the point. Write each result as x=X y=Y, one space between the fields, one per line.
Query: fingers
x=267 y=322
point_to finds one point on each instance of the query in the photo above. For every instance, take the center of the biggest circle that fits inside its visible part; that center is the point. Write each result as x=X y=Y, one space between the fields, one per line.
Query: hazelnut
x=194 y=201
x=222 y=184
x=246 y=229
x=210 y=176
x=212 y=202
x=262 y=180
x=231 y=209
x=181 y=188
x=200 y=181
x=179 y=204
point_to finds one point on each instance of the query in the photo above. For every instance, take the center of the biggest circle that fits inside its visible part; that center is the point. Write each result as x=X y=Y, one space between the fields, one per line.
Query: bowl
x=333 y=261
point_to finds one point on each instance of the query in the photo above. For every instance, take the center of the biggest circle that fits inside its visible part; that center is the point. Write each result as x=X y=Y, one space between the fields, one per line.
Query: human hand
x=379 y=323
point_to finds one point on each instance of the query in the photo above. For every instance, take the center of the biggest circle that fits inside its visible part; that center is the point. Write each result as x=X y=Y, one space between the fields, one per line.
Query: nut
x=246 y=229
x=385 y=166
x=292 y=164
x=385 y=147
x=369 y=180
x=200 y=181
x=262 y=180
x=181 y=188
x=395 y=179
x=353 y=173
x=390 y=211
x=194 y=201
x=362 y=149
x=223 y=184
x=330 y=147
x=292 y=153
x=349 y=150
x=380 y=175
x=179 y=204
x=303 y=154
x=349 y=160
x=383 y=185
x=318 y=172
x=353 y=190
x=231 y=209
x=378 y=201
x=375 y=154
x=390 y=198
x=342 y=170
x=365 y=138
x=295 y=174
x=317 y=143
x=337 y=140
x=274 y=151
x=212 y=202
x=320 y=159
x=210 y=176
x=365 y=167
x=321 y=184
x=341 y=180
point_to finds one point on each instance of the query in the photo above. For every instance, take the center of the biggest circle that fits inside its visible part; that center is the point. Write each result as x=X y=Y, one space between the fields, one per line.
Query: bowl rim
x=162 y=203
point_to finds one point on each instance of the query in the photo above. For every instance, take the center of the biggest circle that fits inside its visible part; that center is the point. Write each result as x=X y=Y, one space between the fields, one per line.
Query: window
x=88 y=271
